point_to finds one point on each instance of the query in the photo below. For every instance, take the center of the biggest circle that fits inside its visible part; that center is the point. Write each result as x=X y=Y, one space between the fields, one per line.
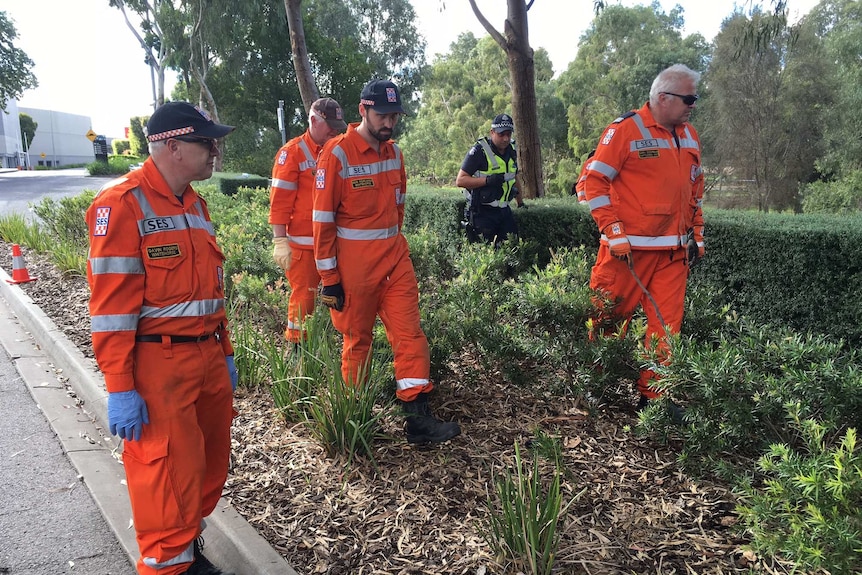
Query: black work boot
x=202 y=565
x=422 y=427
x=677 y=413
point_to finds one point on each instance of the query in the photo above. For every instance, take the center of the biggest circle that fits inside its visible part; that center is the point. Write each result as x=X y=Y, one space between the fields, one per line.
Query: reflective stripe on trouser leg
x=399 y=312
x=303 y=279
x=176 y=472
x=664 y=278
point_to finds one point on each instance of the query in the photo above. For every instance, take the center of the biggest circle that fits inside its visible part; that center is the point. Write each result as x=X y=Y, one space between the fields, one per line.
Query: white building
x=61 y=138
x=11 y=153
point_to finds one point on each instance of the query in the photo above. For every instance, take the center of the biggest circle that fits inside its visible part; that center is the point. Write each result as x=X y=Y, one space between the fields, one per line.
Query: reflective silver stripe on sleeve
x=302 y=240
x=116 y=322
x=616 y=241
x=604 y=169
x=196 y=308
x=283 y=184
x=323 y=217
x=326 y=264
x=116 y=265
x=399 y=198
x=375 y=234
x=599 y=202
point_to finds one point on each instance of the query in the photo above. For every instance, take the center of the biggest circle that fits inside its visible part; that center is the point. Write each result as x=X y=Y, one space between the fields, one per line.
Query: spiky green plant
x=524 y=515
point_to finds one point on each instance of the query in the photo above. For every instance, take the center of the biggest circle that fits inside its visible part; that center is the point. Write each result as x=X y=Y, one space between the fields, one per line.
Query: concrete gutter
x=231 y=543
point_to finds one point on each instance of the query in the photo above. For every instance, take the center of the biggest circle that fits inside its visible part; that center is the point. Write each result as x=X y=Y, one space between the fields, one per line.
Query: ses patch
x=282 y=157
x=320 y=178
x=161 y=252
x=103 y=216
x=362 y=183
x=608 y=135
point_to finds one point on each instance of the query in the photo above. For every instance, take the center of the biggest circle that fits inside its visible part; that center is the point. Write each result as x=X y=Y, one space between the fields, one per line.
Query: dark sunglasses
x=688 y=99
x=208 y=142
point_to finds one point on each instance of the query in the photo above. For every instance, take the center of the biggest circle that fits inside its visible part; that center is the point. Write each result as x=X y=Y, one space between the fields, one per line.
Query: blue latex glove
x=127 y=414
x=231 y=369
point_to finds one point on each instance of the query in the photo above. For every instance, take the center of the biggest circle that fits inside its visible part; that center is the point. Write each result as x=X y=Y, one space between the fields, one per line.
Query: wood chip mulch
x=421 y=510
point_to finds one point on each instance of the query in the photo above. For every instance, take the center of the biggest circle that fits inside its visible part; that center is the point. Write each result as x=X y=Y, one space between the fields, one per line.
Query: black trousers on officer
x=495 y=225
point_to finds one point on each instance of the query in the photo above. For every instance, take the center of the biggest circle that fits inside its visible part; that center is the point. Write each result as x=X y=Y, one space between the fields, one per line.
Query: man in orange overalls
x=364 y=260
x=160 y=337
x=644 y=187
x=290 y=210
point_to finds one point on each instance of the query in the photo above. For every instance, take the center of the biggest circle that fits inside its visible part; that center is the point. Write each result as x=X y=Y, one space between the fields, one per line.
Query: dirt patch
x=421 y=511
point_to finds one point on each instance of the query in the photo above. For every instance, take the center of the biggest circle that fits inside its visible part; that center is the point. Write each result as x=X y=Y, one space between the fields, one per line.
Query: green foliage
x=229 y=183
x=117 y=165
x=16 y=68
x=743 y=381
x=28 y=129
x=120 y=146
x=342 y=414
x=783 y=270
x=137 y=140
x=807 y=509
x=524 y=515
x=15 y=229
x=842 y=196
x=766 y=90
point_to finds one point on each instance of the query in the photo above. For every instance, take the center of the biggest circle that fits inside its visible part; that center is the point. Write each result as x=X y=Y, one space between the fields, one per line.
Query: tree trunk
x=522 y=74
x=301 y=64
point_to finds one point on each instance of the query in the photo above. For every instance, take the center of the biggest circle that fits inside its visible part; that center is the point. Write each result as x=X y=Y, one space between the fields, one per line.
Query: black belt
x=174 y=338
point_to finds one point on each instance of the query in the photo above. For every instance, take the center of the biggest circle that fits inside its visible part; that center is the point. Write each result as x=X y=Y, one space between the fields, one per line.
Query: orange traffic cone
x=20 y=274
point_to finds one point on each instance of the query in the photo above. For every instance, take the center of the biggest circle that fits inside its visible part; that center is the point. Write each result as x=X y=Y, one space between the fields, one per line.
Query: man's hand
x=618 y=242
x=332 y=296
x=495 y=180
x=231 y=370
x=281 y=252
x=694 y=251
x=127 y=414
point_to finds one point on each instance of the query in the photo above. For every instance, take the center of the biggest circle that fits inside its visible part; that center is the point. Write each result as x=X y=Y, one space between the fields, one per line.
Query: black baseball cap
x=382 y=96
x=173 y=119
x=503 y=123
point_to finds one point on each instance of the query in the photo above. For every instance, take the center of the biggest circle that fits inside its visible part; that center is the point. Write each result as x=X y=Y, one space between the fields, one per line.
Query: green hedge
x=797 y=271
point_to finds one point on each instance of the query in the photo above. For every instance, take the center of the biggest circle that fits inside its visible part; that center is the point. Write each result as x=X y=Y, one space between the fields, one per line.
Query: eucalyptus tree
x=838 y=24
x=16 y=68
x=767 y=104
x=148 y=31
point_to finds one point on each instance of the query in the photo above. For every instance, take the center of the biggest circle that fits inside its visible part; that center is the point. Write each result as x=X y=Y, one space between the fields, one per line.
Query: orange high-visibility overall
x=290 y=201
x=154 y=269
x=651 y=181
x=358 y=213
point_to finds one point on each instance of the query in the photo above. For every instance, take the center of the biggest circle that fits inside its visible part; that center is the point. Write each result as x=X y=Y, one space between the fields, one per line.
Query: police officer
x=159 y=330
x=488 y=174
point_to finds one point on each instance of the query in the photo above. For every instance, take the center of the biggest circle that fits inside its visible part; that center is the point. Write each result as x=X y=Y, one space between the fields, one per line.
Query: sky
x=88 y=62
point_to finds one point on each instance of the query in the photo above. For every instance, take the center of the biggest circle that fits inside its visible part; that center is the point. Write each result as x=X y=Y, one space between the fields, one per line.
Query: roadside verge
x=231 y=542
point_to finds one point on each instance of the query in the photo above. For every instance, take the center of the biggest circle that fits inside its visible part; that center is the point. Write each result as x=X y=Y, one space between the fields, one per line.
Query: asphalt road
x=20 y=188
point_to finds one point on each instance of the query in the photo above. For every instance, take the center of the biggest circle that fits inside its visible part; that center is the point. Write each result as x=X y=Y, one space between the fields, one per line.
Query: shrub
x=807 y=509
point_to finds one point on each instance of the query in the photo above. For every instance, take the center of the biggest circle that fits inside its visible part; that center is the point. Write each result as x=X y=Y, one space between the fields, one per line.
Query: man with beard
x=363 y=258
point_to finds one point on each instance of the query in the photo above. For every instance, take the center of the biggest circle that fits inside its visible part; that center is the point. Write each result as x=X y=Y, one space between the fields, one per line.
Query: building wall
x=61 y=137
x=11 y=154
